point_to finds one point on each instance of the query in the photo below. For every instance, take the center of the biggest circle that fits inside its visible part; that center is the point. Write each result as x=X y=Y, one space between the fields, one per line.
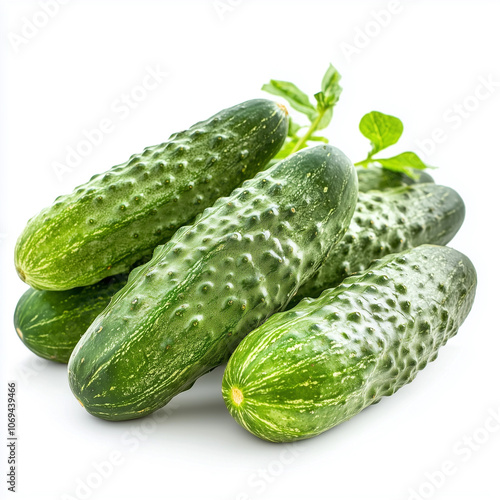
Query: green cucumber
x=319 y=364
x=51 y=323
x=378 y=178
x=389 y=222
x=117 y=218
x=181 y=314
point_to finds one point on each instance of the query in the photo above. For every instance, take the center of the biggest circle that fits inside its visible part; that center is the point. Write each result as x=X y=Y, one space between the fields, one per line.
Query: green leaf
x=382 y=130
x=297 y=99
x=325 y=119
x=325 y=108
x=404 y=162
x=321 y=100
x=328 y=97
x=330 y=85
x=324 y=102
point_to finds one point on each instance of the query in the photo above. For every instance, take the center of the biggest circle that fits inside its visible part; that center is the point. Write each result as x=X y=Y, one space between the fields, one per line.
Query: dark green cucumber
x=378 y=178
x=389 y=222
x=118 y=217
x=181 y=314
x=319 y=364
x=51 y=323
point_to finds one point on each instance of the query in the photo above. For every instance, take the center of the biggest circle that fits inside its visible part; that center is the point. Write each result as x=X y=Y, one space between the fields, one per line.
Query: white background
x=418 y=64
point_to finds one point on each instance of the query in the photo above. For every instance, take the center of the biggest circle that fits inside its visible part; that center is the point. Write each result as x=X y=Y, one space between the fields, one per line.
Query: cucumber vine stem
x=310 y=131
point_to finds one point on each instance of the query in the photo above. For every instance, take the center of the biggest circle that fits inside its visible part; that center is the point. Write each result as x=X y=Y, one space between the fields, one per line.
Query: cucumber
x=308 y=369
x=117 y=218
x=51 y=323
x=389 y=222
x=378 y=178
x=181 y=314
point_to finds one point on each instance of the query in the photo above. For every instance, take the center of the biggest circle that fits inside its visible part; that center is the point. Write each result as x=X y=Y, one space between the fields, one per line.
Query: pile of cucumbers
x=324 y=286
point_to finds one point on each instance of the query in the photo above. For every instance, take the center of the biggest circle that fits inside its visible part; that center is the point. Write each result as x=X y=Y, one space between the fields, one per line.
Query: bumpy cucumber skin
x=51 y=323
x=115 y=219
x=379 y=179
x=389 y=222
x=311 y=368
x=181 y=314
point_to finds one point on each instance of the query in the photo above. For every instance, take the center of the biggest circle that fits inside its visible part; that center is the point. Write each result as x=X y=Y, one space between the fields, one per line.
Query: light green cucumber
x=51 y=323
x=311 y=368
x=108 y=224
